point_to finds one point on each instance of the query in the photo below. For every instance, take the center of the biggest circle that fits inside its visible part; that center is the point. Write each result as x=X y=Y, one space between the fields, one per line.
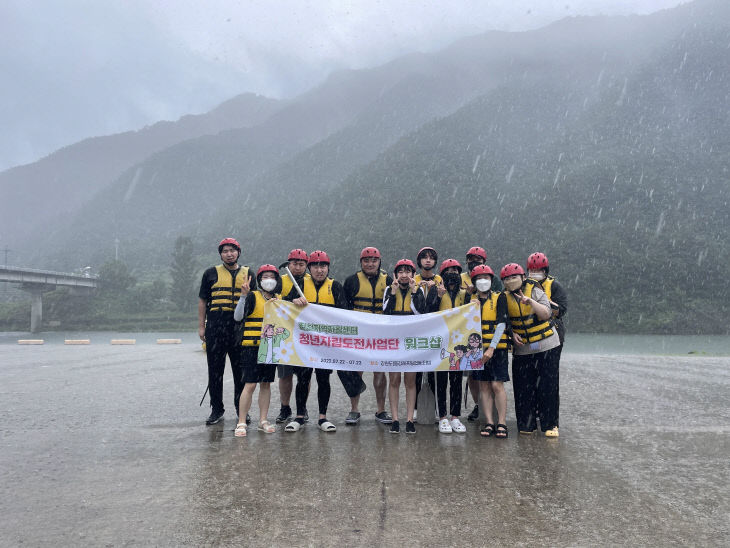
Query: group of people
x=521 y=311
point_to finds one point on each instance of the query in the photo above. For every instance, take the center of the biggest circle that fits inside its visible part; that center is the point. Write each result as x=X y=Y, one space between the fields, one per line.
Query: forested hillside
x=611 y=158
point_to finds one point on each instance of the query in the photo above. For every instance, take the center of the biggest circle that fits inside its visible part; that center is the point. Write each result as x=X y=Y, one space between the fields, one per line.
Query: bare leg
x=355 y=402
x=487 y=400
x=285 y=389
x=410 y=382
x=500 y=400
x=244 y=404
x=380 y=385
x=393 y=391
x=264 y=400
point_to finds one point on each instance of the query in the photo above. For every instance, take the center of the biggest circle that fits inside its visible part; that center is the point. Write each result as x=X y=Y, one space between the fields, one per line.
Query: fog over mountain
x=602 y=141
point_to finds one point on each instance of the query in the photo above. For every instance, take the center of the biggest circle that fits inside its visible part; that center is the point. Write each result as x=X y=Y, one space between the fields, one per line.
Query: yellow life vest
x=402 y=305
x=367 y=301
x=547 y=287
x=447 y=302
x=226 y=291
x=323 y=295
x=524 y=320
x=253 y=323
x=489 y=320
x=286 y=283
x=436 y=279
x=465 y=280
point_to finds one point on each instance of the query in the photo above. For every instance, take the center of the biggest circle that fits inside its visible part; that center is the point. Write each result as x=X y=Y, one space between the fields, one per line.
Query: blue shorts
x=496 y=369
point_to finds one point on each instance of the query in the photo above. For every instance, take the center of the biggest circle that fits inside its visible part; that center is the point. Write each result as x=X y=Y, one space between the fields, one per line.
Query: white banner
x=330 y=338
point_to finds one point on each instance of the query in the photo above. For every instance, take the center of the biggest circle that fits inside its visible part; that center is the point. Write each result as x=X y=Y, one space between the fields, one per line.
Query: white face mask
x=538 y=275
x=268 y=284
x=483 y=284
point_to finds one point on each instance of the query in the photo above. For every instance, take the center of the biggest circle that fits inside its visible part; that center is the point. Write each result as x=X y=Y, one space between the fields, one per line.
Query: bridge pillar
x=36 y=310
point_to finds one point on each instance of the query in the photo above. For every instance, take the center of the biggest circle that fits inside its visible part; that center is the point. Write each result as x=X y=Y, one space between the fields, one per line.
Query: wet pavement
x=106 y=445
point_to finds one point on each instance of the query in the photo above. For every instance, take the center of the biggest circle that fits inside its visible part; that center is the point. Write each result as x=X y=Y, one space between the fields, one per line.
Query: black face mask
x=452 y=278
x=471 y=265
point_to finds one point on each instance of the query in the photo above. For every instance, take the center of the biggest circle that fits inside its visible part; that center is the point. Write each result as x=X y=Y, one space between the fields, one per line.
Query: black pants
x=222 y=338
x=352 y=382
x=304 y=377
x=453 y=379
x=535 y=380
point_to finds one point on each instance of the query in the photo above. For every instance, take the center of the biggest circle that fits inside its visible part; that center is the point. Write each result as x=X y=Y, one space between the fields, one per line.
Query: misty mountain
x=321 y=137
x=601 y=141
x=38 y=197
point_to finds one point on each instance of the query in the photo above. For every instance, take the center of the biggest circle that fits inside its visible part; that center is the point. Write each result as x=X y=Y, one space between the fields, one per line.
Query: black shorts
x=254 y=371
x=496 y=369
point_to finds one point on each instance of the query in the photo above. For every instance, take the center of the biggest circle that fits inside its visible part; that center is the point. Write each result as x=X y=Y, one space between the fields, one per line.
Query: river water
x=579 y=343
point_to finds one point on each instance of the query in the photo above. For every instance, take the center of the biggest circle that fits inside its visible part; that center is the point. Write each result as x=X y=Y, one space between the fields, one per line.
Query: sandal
x=327 y=426
x=293 y=426
x=552 y=433
x=501 y=431
x=240 y=431
x=487 y=430
x=267 y=427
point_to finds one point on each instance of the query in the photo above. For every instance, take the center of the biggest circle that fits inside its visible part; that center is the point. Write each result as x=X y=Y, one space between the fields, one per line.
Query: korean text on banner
x=330 y=338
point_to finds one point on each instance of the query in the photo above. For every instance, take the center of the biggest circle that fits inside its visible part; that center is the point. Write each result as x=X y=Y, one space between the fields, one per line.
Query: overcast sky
x=73 y=69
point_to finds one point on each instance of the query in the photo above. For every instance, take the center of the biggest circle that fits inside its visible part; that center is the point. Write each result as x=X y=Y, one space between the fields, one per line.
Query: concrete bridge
x=37 y=282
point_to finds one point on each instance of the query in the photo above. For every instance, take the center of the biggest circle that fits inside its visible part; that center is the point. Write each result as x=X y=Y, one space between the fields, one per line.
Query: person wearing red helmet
x=297 y=262
x=220 y=290
x=494 y=342
x=257 y=368
x=538 y=269
x=448 y=294
x=404 y=297
x=319 y=288
x=533 y=369
x=475 y=256
x=364 y=292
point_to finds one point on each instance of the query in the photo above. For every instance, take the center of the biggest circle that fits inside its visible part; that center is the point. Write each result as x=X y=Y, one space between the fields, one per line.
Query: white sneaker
x=445 y=427
x=456 y=426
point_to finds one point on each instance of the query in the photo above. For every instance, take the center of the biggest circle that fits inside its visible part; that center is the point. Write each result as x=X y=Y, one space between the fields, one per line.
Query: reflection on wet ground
x=107 y=445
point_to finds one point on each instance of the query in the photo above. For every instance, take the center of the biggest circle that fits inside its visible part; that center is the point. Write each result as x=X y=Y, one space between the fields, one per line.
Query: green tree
x=115 y=277
x=182 y=270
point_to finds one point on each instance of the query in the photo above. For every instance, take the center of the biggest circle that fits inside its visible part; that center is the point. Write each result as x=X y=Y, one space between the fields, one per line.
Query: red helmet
x=405 y=262
x=370 y=252
x=537 y=261
x=478 y=251
x=481 y=269
x=319 y=257
x=423 y=251
x=267 y=268
x=297 y=255
x=229 y=241
x=449 y=263
x=510 y=270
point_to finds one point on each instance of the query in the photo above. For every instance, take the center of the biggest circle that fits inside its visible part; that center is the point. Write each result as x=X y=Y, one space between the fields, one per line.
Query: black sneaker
x=248 y=418
x=284 y=414
x=410 y=428
x=214 y=418
x=306 y=416
x=395 y=427
x=474 y=415
x=384 y=417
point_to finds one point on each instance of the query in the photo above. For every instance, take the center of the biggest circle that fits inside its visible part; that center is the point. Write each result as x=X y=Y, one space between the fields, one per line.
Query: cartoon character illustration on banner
x=474 y=353
x=272 y=348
